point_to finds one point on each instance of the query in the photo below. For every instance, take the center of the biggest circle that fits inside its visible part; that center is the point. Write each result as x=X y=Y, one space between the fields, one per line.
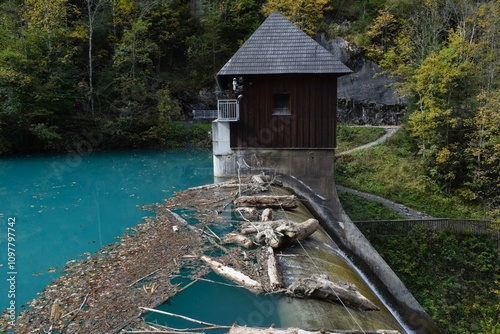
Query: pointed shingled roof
x=279 y=47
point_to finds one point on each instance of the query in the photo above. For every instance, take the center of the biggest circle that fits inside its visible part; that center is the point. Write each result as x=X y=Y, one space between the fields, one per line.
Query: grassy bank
x=456 y=278
x=393 y=170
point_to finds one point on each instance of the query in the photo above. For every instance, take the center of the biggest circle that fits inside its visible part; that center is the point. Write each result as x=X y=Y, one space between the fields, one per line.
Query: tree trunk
x=286 y=202
x=273 y=271
x=319 y=287
x=279 y=233
x=233 y=275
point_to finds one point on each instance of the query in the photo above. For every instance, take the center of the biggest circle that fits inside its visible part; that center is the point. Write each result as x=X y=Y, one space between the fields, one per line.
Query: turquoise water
x=218 y=304
x=64 y=207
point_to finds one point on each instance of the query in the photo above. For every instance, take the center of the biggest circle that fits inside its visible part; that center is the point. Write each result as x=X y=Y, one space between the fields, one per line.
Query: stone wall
x=355 y=112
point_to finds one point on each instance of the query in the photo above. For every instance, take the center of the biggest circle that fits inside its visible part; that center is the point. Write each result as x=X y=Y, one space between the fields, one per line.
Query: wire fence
x=458 y=226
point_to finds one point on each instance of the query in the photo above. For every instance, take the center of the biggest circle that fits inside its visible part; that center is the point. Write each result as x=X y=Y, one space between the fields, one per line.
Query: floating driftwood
x=235 y=329
x=320 y=287
x=273 y=271
x=286 y=202
x=267 y=215
x=251 y=211
x=235 y=238
x=279 y=233
x=233 y=275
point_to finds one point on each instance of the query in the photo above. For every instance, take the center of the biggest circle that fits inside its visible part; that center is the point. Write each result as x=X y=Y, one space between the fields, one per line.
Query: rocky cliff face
x=366 y=96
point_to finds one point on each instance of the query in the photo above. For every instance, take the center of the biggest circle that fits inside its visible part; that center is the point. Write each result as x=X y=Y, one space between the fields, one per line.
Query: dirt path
x=389 y=131
x=405 y=211
x=400 y=208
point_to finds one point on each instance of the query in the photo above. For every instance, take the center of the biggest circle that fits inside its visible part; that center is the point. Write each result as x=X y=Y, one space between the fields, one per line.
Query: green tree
x=305 y=14
x=383 y=33
x=93 y=9
x=38 y=78
x=222 y=27
x=445 y=56
x=133 y=73
x=11 y=59
x=484 y=140
x=443 y=84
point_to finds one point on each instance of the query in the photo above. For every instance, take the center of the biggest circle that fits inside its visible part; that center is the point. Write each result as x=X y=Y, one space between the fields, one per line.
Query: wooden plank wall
x=313 y=106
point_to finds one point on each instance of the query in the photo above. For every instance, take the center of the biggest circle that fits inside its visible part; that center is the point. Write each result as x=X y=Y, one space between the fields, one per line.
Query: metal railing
x=228 y=110
x=205 y=114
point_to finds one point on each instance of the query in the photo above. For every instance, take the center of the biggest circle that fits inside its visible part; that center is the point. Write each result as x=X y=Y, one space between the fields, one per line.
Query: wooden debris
x=259 y=179
x=286 y=202
x=273 y=271
x=279 y=233
x=233 y=275
x=235 y=329
x=251 y=211
x=267 y=215
x=55 y=311
x=320 y=287
x=204 y=323
x=257 y=184
x=235 y=238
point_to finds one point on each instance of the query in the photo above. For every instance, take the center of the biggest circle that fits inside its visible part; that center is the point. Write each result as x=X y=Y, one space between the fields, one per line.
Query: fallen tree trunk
x=233 y=275
x=235 y=329
x=273 y=271
x=286 y=202
x=280 y=233
x=320 y=287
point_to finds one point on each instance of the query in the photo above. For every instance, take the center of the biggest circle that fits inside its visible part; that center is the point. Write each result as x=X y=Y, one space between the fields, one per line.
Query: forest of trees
x=83 y=74
x=120 y=72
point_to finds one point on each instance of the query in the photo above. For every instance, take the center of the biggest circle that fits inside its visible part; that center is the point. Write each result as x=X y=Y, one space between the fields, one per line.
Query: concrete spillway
x=319 y=254
x=350 y=241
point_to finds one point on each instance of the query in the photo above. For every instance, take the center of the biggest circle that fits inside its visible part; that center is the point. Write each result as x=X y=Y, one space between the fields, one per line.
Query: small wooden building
x=282 y=105
x=286 y=79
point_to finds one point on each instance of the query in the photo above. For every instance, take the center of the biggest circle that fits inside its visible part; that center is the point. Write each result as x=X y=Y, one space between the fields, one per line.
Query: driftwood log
x=233 y=275
x=235 y=329
x=251 y=211
x=273 y=271
x=267 y=215
x=286 y=202
x=235 y=238
x=320 y=287
x=280 y=233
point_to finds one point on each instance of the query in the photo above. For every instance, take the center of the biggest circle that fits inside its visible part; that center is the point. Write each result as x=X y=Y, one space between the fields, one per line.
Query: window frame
x=281 y=104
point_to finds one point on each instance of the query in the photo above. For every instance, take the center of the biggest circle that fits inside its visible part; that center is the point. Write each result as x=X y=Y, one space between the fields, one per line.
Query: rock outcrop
x=366 y=96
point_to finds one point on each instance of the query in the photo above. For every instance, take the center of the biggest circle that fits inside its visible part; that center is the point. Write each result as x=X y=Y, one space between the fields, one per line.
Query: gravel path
x=400 y=208
x=389 y=131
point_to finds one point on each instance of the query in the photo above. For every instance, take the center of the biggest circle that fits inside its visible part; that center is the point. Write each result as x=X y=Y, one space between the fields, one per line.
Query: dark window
x=281 y=104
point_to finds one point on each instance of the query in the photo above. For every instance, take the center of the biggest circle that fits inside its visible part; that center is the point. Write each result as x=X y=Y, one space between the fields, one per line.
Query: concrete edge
x=345 y=233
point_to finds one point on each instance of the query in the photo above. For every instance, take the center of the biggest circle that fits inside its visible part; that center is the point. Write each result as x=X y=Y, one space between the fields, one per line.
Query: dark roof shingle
x=279 y=47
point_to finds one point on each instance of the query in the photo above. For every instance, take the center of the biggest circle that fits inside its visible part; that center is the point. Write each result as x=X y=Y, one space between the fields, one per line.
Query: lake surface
x=61 y=206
